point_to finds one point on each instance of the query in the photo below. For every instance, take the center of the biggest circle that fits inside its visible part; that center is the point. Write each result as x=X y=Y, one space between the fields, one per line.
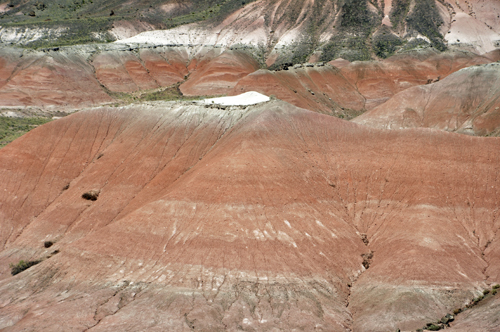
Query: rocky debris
x=367 y=259
x=443 y=323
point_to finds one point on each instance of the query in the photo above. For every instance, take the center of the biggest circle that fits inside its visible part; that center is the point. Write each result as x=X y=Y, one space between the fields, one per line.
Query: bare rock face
x=465 y=102
x=255 y=218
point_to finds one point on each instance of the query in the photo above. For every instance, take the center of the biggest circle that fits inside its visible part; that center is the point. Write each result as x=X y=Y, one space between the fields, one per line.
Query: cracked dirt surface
x=254 y=218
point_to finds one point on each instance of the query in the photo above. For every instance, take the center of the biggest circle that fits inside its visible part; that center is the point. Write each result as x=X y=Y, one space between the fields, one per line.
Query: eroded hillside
x=264 y=217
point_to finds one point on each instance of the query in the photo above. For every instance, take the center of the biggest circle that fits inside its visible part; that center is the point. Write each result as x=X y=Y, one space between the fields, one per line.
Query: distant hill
x=283 y=32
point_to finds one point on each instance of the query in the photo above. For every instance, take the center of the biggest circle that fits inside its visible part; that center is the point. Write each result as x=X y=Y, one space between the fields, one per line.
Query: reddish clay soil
x=357 y=86
x=377 y=81
x=220 y=75
x=122 y=72
x=262 y=218
x=47 y=79
x=467 y=101
x=322 y=89
x=74 y=79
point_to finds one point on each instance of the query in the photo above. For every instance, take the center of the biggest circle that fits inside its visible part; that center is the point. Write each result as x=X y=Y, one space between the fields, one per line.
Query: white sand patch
x=247 y=98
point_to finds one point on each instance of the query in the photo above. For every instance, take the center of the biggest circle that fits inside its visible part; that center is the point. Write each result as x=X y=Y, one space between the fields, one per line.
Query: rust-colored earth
x=73 y=79
x=467 y=101
x=263 y=218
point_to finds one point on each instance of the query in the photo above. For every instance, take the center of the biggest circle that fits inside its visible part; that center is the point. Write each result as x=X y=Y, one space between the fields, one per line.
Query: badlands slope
x=81 y=76
x=467 y=101
x=257 y=218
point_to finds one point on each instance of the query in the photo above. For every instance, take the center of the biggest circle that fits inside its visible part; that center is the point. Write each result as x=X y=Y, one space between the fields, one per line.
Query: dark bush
x=385 y=43
x=21 y=266
x=425 y=18
x=48 y=244
x=478 y=299
x=399 y=11
x=91 y=195
x=351 y=48
x=355 y=14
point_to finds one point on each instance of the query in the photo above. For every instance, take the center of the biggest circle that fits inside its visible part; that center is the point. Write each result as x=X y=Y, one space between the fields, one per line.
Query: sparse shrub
x=478 y=299
x=399 y=11
x=12 y=128
x=425 y=18
x=433 y=327
x=385 y=43
x=416 y=44
x=447 y=319
x=457 y=311
x=21 y=266
x=497 y=286
x=486 y=291
x=346 y=46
